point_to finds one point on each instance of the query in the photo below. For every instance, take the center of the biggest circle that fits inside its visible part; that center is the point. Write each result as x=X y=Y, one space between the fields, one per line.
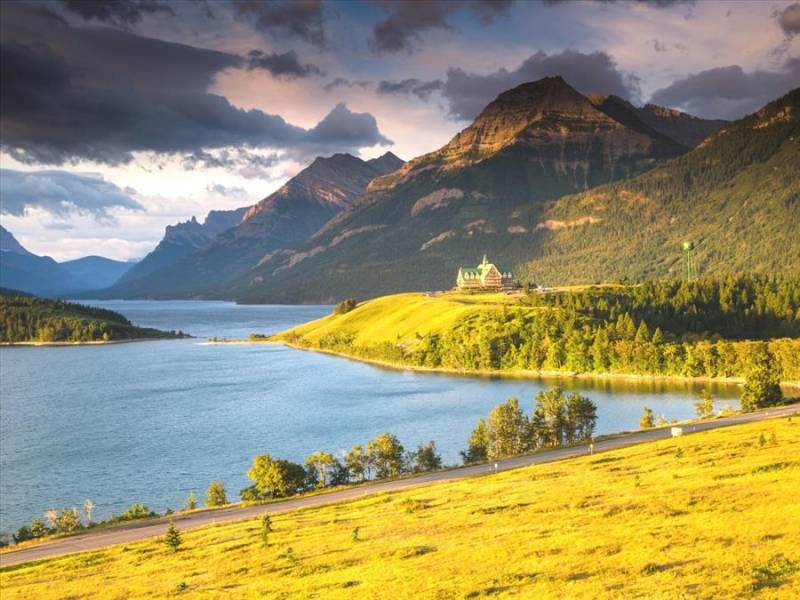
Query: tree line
x=698 y=329
x=25 y=318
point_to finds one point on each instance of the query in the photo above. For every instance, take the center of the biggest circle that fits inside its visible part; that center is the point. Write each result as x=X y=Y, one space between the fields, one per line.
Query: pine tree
x=173 y=538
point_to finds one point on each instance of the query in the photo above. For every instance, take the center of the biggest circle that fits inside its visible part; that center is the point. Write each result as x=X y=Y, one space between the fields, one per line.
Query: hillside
x=28 y=319
x=707 y=515
x=483 y=192
x=285 y=218
x=658 y=329
x=736 y=196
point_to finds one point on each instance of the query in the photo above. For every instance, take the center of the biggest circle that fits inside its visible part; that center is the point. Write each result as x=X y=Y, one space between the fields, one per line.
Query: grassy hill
x=705 y=329
x=710 y=515
x=28 y=319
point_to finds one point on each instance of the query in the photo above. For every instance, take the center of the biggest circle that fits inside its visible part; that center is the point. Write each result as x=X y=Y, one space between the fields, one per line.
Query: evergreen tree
x=173 y=538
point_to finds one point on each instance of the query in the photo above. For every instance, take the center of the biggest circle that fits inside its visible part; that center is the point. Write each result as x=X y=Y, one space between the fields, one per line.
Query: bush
x=191 y=502
x=135 y=511
x=215 y=496
x=345 y=306
x=647 y=420
x=65 y=520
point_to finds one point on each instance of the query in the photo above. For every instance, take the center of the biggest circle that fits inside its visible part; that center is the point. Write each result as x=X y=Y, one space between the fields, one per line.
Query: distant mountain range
x=488 y=190
x=283 y=219
x=558 y=186
x=22 y=270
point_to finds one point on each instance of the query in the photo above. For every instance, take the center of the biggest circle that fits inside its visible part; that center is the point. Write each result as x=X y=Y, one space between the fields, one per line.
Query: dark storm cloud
x=406 y=21
x=123 y=13
x=61 y=193
x=789 y=19
x=421 y=89
x=303 y=19
x=729 y=92
x=345 y=128
x=286 y=64
x=101 y=94
x=468 y=93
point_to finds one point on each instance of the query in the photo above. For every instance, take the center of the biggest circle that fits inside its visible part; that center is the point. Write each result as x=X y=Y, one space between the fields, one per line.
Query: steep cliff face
x=412 y=228
x=287 y=217
x=181 y=240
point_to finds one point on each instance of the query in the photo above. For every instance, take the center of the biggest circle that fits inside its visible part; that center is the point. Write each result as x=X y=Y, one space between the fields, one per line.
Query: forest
x=26 y=318
x=708 y=328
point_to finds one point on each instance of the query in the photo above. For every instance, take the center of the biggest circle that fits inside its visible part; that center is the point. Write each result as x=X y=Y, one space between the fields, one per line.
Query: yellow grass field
x=400 y=317
x=710 y=515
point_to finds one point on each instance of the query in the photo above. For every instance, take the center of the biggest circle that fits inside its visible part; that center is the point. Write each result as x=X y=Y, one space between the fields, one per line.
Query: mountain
x=96 y=272
x=27 y=272
x=8 y=243
x=285 y=218
x=736 y=197
x=684 y=129
x=182 y=239
x=483 y=192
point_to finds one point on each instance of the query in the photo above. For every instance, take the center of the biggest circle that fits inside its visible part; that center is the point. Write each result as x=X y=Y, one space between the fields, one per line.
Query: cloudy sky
x=119 y=117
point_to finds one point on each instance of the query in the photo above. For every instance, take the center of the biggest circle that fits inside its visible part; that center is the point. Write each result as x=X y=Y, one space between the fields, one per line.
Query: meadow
x=709 y=515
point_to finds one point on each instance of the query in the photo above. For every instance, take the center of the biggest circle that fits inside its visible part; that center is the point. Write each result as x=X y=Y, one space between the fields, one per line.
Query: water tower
x=688 y=250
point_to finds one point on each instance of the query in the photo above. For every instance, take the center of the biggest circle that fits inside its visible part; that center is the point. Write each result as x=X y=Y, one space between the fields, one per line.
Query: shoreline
x=528 y=374
x=87 y=343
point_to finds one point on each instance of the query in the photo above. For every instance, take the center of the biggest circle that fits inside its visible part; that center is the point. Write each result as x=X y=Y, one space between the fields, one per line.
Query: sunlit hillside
x=710 y=515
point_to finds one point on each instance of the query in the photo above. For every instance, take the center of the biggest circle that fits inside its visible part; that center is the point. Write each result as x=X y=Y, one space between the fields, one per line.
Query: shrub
x=65 y=520
x=191 y=502
x=345 y=306
x=647 y=421
x=135 y=511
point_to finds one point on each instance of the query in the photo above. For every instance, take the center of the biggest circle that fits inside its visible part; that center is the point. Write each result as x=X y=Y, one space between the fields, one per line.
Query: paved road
x=138 y=531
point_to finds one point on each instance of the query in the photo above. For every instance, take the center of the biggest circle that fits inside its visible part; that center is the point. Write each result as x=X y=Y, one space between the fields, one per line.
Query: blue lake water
x=153 y=421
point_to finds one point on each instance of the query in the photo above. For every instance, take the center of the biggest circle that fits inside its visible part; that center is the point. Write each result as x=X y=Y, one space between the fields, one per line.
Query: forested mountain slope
x=736 y=196
x=483 y=192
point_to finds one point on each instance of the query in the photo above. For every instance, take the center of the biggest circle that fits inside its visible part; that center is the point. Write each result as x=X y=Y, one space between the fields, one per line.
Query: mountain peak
x=8 y=243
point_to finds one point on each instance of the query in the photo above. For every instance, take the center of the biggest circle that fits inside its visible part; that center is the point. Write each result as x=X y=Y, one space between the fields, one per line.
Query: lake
x=152 y=421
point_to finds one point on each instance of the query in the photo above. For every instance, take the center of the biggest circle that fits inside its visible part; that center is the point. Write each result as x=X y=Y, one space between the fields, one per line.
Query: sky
x=119 y=117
